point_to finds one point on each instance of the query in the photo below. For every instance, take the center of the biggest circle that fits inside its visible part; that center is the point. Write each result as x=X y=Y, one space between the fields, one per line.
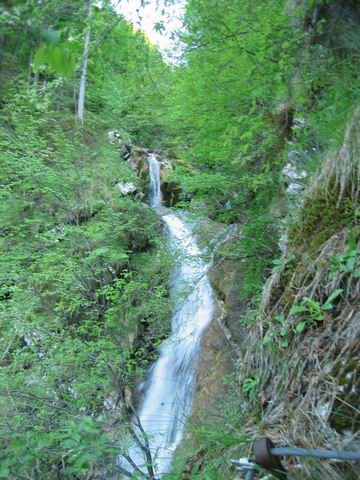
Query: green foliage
x=312 y=311
x=250 y=386
x=278 y=331
x=281 y=263
x=127 y=78
x=83 y=283
x=83 y=270
x=58 y=58
x=255 y=249
x=78 y=444
x=350 y=261
x=224 y=100
x=83 y=276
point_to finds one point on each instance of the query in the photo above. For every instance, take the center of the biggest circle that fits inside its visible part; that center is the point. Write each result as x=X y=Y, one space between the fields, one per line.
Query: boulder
x=122 y=142
x=138 y=162
x=125 y=188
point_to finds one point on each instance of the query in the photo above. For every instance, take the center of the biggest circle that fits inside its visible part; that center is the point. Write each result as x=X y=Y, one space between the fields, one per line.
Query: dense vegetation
x=83 y=268
x=83 y=285
x=254 y=73
x=269 y=85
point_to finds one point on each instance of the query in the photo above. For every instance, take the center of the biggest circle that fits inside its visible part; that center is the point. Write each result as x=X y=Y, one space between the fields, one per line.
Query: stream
x=171 y=381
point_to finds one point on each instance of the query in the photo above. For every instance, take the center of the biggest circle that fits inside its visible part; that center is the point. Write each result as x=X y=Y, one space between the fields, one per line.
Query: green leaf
x=18 y=442
x=69 y=444
x=298 y=309
x=58 y=58
x=300 y=327
x=266 y=340
x=311 y=304
x=4 y=472
x=332 y=297
x=327 y=306
x=350 y=263
x=352 y=240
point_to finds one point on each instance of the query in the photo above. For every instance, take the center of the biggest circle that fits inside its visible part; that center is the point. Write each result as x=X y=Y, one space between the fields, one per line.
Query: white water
x=169 y=389
x=154 y=174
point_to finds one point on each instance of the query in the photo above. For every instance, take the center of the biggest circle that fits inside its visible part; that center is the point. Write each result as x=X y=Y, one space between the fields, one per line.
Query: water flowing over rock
x=170 y=386
x=139 y=162
x=155 y=190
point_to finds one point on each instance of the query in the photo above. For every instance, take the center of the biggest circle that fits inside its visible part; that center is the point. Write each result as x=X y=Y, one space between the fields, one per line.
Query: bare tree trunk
x=137 y=434
x=30 y=70
x=85 y=58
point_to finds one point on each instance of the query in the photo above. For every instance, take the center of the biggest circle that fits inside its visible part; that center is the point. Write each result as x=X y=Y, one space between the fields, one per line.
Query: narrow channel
x=171 y=381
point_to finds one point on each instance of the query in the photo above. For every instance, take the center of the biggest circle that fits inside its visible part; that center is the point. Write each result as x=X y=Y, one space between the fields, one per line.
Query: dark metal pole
x=250 y=475
x=315 y=453
x=267 y=457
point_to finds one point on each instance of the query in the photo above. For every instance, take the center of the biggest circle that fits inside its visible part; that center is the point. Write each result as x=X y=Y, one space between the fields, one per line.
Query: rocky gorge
x=179 y=240
x=224 y=351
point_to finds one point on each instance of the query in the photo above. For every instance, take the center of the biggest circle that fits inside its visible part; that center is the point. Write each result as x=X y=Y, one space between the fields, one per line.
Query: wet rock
x=171 y=193
x=138 y=161
x=216 y=361
x=226 y=280
x=218 y=351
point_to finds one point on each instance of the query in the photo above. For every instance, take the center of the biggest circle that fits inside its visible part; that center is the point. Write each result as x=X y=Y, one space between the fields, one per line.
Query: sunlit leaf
x=58 y=58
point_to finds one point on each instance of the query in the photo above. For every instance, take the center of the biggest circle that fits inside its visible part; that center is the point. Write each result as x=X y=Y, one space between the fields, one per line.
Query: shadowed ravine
x=170 y=385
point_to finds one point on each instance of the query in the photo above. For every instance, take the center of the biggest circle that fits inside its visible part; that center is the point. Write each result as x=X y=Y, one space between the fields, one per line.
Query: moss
x=345 y=415
x=321 y=217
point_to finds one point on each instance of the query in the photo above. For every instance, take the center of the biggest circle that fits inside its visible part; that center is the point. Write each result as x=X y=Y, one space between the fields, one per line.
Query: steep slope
x=270 y=143
x=83 y=283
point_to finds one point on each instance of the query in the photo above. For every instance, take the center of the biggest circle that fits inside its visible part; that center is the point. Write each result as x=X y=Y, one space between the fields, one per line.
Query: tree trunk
x=85 y=58
x=30 y=70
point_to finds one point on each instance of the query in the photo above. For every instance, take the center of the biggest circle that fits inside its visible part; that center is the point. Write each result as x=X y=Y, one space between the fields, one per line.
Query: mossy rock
x=321 y=217
x=345 y=415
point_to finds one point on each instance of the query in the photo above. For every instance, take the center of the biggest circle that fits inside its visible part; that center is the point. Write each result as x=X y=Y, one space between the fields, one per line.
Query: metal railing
x=267 y=457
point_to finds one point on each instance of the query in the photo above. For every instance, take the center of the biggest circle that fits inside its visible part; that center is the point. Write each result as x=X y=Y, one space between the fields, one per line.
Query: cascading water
x=170 y=386
x=154 y=174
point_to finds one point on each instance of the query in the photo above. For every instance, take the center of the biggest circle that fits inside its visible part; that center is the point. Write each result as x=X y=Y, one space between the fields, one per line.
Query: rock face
x=126 y=187
x=170 y=190
x=218 y=352
x=122 y=142
x=216 y=361
x=226 y=279
x=138 y=161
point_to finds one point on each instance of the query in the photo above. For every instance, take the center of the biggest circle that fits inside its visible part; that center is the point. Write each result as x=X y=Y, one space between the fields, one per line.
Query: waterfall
x=154 y=174
x=170 y=386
